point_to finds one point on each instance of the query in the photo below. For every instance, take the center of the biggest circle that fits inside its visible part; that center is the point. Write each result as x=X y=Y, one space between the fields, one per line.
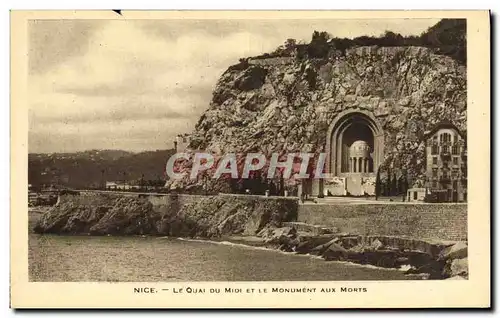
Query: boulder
x=312 y=242
x=455 y=251
x=284 y=237
x=128 y=216
x=459 y=267
x=320 y=249
x=335 y=252
x=456 y=278
x=376 y=245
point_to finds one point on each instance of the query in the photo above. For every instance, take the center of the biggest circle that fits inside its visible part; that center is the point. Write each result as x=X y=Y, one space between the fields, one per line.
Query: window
x=455 y=161
x=455 y=138
x=445 y=149
x=455 y=184
x=414 y=195
x=434 y=150
x=454 y=150
x=434 y=160
x=434 y=184
x=446 y=137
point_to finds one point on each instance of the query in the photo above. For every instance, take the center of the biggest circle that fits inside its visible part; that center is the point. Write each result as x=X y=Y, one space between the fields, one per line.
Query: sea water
x=153 y=259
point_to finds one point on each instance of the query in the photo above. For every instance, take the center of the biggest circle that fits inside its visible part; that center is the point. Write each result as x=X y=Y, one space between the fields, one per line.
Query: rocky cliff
x=208 y=217
x=285 y=104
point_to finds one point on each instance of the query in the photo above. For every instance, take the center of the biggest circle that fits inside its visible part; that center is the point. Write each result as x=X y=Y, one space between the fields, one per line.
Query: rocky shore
x=208 y=217
x=268 y=223
x=425 y=259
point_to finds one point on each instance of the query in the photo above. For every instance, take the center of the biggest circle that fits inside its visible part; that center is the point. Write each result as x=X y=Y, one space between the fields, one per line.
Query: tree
x=392 y=39
x=281 y=185
x=103 y=182
x=141 y=182
x=318 y=48
x=394 y=185
x=290 y=44
x=388 y=184
x=404 y=185
x=378 y=185
x=448 y=36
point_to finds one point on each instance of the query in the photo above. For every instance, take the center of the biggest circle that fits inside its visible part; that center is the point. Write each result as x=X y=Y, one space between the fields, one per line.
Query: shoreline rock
x=268 y=222
x=426 y=260
x=211 y=216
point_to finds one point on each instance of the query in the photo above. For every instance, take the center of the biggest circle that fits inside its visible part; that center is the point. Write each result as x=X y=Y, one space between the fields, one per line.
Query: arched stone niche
x=348 y=127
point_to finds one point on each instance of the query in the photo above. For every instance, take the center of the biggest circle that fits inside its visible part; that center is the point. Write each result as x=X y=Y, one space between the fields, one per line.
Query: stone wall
x=223 y=214
x=423 y=221
x=272 y=61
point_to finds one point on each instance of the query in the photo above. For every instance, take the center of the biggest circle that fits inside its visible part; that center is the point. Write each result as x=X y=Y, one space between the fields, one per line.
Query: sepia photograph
x=248 y=150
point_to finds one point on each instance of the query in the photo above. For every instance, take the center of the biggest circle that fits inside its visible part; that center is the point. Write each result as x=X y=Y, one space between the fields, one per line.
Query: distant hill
x=90 y=169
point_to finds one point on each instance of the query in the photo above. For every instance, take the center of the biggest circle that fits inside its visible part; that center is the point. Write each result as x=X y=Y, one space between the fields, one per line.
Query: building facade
x=120 y=185
x=355 y=149
x=181 y=142
x=416 y=194
x=446 y=164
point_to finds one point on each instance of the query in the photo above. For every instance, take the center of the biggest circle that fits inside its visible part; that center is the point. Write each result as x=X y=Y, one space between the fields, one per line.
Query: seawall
x=422 y=221
x=250 y=214
x=387 y=235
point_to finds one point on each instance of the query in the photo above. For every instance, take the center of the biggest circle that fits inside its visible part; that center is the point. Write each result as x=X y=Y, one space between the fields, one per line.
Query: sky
x=135 y=84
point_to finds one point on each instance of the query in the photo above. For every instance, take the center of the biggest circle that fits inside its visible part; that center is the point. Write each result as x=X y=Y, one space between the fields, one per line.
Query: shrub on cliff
x=447 y=37
x=318 y=48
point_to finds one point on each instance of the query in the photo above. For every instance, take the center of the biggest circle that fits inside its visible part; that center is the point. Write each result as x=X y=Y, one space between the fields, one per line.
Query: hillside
x=90 y=168
x=284 y=101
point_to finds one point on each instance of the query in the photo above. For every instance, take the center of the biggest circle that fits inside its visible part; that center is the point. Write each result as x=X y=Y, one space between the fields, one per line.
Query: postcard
x=250 y=159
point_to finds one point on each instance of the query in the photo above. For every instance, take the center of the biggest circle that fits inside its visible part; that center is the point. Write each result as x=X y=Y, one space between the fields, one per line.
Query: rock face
x=286 y=104
x=456 y=260
x=208 y=217
x=423 y=259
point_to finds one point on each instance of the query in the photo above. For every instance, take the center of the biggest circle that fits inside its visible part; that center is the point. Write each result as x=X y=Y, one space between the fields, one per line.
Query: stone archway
x=347 y=127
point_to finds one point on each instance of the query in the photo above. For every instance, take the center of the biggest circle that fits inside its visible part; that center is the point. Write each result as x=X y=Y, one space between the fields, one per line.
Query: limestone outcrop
x=208 y=217
x=285 y=104
x=424 y=259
